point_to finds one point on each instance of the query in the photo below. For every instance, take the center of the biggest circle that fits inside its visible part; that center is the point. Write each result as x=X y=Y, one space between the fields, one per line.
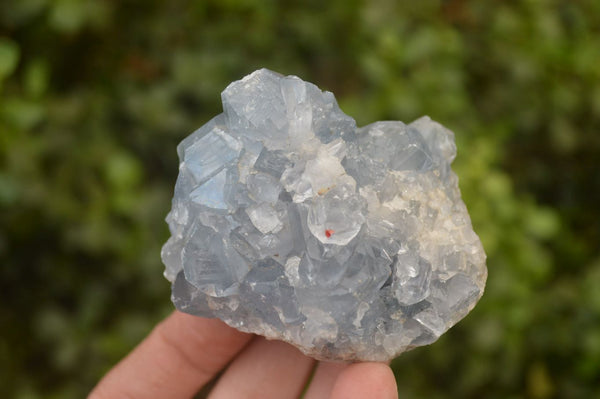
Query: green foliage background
x=95 y=95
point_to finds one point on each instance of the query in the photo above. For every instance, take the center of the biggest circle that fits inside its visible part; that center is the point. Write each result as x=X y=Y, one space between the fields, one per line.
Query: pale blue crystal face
x=290 y=222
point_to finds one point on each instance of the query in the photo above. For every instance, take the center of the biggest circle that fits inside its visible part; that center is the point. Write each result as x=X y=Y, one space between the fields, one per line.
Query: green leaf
x=543 y=223
x=9 y=57
x=123 y=171
x=36 y=78
x=67 y=16
x=9 y=189
x=21 y=114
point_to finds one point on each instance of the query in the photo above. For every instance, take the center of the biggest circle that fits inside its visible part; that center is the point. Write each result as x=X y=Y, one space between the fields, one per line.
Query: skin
x=185 y=352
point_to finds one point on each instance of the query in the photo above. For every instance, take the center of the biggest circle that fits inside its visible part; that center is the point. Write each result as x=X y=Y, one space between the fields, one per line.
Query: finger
x=365 y=380
x=265 y=369
x=323 y=380
x=179 y=356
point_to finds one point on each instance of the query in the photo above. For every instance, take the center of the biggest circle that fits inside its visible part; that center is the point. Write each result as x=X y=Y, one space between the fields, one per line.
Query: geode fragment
x=290 y=222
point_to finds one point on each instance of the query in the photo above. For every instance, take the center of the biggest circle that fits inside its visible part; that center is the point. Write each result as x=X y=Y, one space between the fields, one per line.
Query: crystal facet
x=290 y=222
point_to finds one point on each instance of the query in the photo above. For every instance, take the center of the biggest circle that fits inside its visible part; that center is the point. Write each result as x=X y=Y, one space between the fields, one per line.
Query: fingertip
x=366 y=380
x=177 y=358
x=265 y=369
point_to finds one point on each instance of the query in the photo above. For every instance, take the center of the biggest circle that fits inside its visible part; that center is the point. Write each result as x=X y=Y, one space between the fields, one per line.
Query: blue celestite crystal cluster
x=290 y=222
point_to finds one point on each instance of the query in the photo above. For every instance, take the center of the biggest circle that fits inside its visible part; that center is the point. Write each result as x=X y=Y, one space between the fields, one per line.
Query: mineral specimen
x=290 y=222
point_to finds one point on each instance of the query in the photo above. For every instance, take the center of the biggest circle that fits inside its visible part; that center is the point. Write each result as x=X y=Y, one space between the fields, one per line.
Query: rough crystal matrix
x=290 y=222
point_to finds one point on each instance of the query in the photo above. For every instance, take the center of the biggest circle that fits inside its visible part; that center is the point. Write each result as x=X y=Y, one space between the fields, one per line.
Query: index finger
x=179 y=356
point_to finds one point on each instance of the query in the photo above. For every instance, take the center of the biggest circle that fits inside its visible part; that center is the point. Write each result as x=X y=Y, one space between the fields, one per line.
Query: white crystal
x=263 y=187
x=210 y=153
x=336 y=217
x=264 y=218
x=211 y=193
x=289 y=222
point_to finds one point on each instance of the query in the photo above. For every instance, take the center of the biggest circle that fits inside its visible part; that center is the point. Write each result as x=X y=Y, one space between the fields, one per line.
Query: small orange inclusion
x=329 y=232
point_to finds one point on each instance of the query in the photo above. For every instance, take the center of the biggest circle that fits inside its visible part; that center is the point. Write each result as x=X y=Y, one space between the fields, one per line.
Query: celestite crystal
x=290 y=222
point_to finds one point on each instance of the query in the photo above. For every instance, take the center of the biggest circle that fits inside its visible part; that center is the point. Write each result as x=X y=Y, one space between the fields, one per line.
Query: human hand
x=185 y=352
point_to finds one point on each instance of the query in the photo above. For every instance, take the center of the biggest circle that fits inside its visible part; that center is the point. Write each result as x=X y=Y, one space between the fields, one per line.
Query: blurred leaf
x=543 y=223
x=122 y=171
x=21 y=113
x=540 y=384
x=9 y=57
x=67 y=15
x=36 y=78
x=9 y=190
